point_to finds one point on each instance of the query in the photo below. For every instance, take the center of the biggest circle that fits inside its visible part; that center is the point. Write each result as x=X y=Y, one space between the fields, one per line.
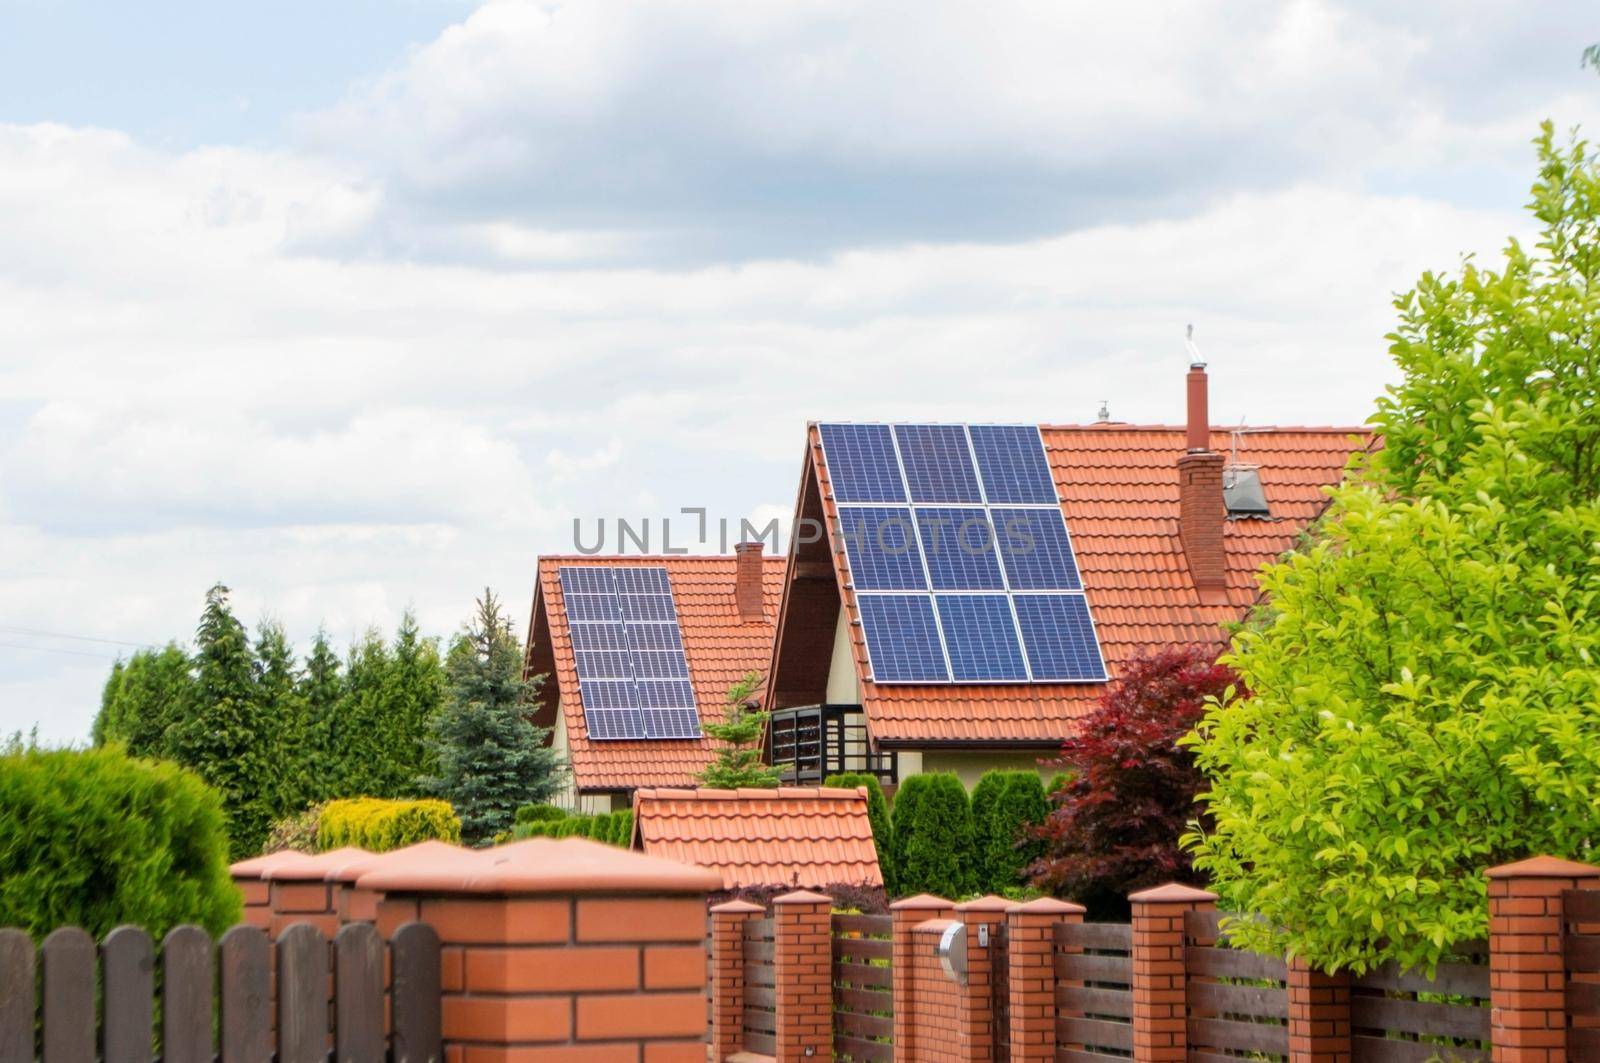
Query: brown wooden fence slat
x=16 y=996
x=761 y=1043
x=1260 y=1001
x=1581 y=906
x=859 y=1048
x=1583 y=998
x=870 y=925
x=760 y=998
x=67 y=957
x=1582 y=952
x=1094 y=935
x=862 y=1001
x=864 y=1025
x=1089 y=1001
x=187 y=980
x=1414 y=1016
x=416 y=994
x=358 y=988
x=128 y=963
x=302 y=995
x=1457 y=979
x=1234 y=963
x=1583 y=1043
x=1075 y=968
x=1203 y=926
x=246 y=1022
x=862 y=949
x=857 y=974
x=1098 y=1032
x=1386 y=1050
x=1242 y=1036
x=1080 y=1055
x=759 y=951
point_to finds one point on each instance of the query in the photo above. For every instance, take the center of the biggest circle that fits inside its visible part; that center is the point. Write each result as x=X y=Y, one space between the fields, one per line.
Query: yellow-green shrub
x=379 y=824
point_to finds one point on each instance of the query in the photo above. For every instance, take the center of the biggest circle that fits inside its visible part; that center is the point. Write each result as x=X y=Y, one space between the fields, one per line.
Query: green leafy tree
x=143 y=698
x=935 y=849
x=1424 y=682
x=877 y=815
x=738 y=758
x=491 y=759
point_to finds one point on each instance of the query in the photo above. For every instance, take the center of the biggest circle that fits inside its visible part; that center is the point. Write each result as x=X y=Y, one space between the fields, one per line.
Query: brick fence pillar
x=560 y=950
x=802 y=967
x=1527 y=970
x=256 y=893
x=975 y=1018
x=1319 y=1014
x=1160 y=981
x=1030 y=934
x=355 y=905
x=299 y=891
x=727 y=976
x=906 y=914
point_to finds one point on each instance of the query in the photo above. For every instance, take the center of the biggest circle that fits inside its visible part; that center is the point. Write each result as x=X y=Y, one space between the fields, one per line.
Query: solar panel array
x=633 y=678
x=959 y=555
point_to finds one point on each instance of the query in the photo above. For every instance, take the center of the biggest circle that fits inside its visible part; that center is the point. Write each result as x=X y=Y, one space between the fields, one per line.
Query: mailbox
x=952 y=951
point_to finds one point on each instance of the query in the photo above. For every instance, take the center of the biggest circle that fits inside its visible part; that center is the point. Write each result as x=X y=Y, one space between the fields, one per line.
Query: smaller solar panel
x=670 y=723
x=861 y=463
x=902 y=638
x=1035 y=550
x=1059 y=637
x=937 y=462
x=586 y=580
x=982 y=637
x=1012 y=463
x=880 y=544
x=598 y=637
x=644 y=637
x=666 y=694
x=959 y=545
x=660 y=664
x=605 y=664
x=592 y=608
x=608 y=693
x=613 y=724
x=651 y=580
x=648 y=608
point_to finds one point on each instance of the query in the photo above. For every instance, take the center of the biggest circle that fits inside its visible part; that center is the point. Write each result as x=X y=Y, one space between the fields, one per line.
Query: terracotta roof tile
x=785 y=837
x=1119 y=492
x=720 y=647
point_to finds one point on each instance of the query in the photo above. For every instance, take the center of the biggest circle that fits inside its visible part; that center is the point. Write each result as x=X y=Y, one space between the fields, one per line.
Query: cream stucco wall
x=569 y=798
x=843 y=686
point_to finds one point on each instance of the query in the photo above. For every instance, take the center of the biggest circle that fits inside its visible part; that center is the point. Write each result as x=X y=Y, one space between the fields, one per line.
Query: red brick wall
x=1202 y=515
x=1527 y=969
x=300 y=901
x=257 y=900
x=936 y=1000
x=1160 y=981
x=1031 y=980
x=803 y=971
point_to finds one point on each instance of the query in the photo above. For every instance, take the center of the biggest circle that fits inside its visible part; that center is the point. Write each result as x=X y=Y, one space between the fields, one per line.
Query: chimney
x=747 y=589
x=1201 y=509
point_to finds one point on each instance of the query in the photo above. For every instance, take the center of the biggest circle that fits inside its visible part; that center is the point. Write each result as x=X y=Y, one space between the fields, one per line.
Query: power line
x=77 y=638
x=47 y=649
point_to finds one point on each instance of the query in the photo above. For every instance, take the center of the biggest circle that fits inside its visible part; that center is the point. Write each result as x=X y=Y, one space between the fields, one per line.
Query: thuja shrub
x=612 y=828
x=877 y=815
x=1008 y=807
x=96 y=838
x=379 y=824
x=934 y=845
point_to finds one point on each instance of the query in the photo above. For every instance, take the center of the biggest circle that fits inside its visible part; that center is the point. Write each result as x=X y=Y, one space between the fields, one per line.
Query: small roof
x=540 y=865
x=721 y=647
x=792 y=836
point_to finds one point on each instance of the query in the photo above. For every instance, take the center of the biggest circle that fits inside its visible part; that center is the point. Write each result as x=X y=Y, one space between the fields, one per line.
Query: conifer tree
x=143 y=698
x=359 y=752
x=321 y=692
x=281 y=714
x=413 y=691
x=491 y=759
x=738 y=762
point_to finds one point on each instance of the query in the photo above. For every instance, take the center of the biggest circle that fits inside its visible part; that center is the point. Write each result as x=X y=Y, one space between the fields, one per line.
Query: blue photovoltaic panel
x=1059 y=637
x=1012 y=462
x=648 y=609
x=644 y=637
x=642 y=581
x=881 y=546
x=611 y=724
x=598 y=637
x=861 y=463
x=902 y=639
x=593 y=580
x=666 y=693
x=608 y=693
x=660 y=664
x=982 y=638
x=959 y=545
x=937 y=462
x=592 y=608
x=1035 y=550
x=667 y=708
x=605 y=664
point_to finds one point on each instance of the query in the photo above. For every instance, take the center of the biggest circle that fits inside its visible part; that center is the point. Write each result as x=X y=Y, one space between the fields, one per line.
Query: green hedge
x=934 y=848
x=877 y=815
x=96 y=838
x=1004 y=804
x=379 y=824
x=612 y=828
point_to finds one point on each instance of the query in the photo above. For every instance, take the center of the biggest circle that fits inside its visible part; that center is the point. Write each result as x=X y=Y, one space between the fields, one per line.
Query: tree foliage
x=738 y=753
x=935 y=849
x=877 y=815
x=1424 y=688
x=491 y=759
x=1008 y=808
x=1130 y=791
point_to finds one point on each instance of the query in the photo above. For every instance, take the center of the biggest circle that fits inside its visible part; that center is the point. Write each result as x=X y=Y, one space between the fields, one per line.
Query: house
x=873 y=669
x=696 y=626
x=802 y=837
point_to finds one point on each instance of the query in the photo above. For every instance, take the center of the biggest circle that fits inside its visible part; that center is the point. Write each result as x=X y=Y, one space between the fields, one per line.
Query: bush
x=1007 y=809
x=877 y=815
x=934 y=846
x=96 y=838
x=297 y=832
x=540 y=813
x=379 y=824
x=612 y=828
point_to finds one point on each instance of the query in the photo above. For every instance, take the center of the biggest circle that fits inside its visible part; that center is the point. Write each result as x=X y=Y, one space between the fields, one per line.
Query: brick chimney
x=747 y=590
x=1201 y=511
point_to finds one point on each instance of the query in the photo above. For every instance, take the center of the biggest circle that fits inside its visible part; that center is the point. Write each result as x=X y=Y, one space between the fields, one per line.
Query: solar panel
x=1036 y=550
x=948 y=581
x=1059 y=637
x=960 y=547
x=861 y=463
x=902 y=638
x=633 y=678
x=937 y=462
x=982 y=638
x=881 y=546
x=1012 y=462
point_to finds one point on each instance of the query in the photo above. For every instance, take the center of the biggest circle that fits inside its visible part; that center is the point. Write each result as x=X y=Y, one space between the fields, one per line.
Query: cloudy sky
x=357 y=305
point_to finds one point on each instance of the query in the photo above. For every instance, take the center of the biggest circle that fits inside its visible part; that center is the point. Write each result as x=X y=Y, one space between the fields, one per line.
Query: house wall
x=844 y=688
x=569 y=798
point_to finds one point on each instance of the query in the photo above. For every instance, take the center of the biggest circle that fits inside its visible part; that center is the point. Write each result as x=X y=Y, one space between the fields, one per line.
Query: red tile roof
x=804 y=837
x=720 y=647
x=1118 y=486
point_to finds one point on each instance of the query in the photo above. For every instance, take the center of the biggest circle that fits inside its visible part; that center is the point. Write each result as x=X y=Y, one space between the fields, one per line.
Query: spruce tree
x=321 y=691
x=413 y=690
x=738 y=763
x=281 y=714
x=360 y=748
x=491 y=759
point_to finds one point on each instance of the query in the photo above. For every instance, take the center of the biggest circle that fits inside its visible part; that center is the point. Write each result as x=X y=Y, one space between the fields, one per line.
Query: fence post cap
x=989 y=903
x=1046 y=906
x=803 y=897
x=314 y=868
x=1544 y=867
x=1172 y=893
x=542 y=865
x=359 y=863
x=921 y=902
x=736 y=907
x=255 y=866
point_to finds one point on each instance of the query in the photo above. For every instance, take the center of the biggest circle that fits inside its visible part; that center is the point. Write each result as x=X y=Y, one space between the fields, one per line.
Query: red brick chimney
x=747 y=590
x=1201 y=512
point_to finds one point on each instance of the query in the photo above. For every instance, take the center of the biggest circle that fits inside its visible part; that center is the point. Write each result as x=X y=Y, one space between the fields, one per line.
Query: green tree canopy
x=1426 y=702
x=738 y=737
x=935 y=849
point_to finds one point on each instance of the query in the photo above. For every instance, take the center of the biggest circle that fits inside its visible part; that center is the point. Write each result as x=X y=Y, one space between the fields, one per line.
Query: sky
x=357 y=307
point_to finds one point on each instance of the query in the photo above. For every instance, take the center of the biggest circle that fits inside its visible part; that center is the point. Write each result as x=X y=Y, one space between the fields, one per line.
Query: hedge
x=934 y=848
x=540 y=813
x=1004 y=805
x=96 y=838
x=612 y=828
x=877 y=815
x=380 y=824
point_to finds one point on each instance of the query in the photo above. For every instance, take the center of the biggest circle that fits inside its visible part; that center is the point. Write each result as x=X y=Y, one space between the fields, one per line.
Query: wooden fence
x=241 y=1000
x=1094 y=994
x=1238 y=1001
x=760 y=987
x=1404 y=1017
x=1581 y=946
x=863 y=981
